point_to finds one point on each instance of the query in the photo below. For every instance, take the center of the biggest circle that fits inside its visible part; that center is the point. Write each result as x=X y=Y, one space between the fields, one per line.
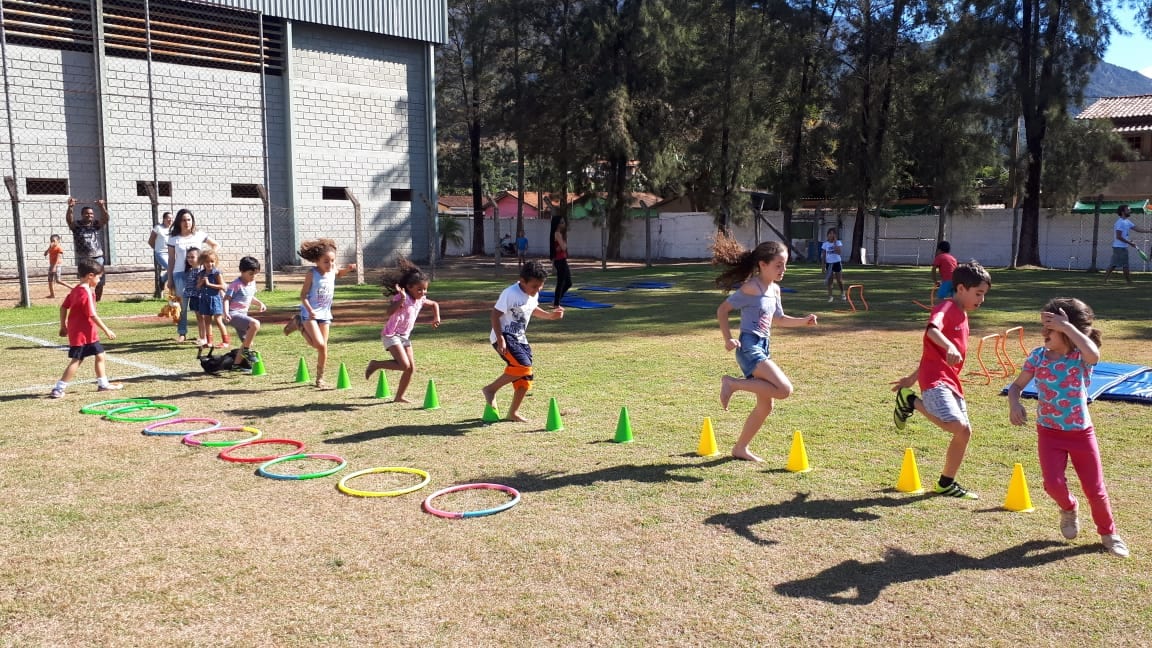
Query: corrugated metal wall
x=423 y=20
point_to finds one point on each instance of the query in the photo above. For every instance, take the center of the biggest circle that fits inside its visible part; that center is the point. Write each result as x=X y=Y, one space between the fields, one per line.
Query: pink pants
x=1055 y=448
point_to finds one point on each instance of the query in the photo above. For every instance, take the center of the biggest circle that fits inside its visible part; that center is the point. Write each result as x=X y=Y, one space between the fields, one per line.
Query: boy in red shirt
x=79 y=322
x=941 y=361
x=944 y=264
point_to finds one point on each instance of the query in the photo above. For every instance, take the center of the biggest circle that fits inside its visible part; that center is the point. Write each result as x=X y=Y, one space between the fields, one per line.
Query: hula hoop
x=343 y=485
x=226 y=456
x=154 y=429
x=190 y=438
x=118 y=414
x=98 y=408
x=457 y=515
x=263 y=470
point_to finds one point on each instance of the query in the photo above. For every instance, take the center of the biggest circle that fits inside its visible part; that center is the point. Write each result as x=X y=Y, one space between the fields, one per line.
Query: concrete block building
x=261 y=116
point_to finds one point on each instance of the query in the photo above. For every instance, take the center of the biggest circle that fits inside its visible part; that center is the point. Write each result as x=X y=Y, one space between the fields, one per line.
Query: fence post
x=21 y=267
x=647 y=235
x=356 y=225
x=495 y=228
x=262 y=191
x=153 y=197
x=433 y=236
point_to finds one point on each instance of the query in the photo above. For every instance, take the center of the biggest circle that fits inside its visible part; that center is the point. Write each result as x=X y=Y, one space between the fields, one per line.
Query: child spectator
x=238 y=299
x=54 y=252
x=516 y=306
x=79 y=323
x=211 y=307
x=831 y=250
x=942 y=268
x=945 y=345
x=521 y=247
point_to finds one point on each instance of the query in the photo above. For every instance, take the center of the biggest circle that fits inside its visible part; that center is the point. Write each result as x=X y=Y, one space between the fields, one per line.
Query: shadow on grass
x=274 y=410
x=867 y=580
x=648 y=473
x=458 y=428
x=801 y=507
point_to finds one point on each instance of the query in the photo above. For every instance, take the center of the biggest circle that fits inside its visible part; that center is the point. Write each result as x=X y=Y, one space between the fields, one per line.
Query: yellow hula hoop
x=343 y=486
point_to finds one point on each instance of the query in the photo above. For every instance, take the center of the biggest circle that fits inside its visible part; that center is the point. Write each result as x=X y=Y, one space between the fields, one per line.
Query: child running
x=942 y=268
x=941 y=401
x=516 y=306
x=753 y=277
x=238 y=299
x=211 y=307
x=1063 y=369
x=408 y=286
x=79 y=323
x=315 y=316
x=54 y=252
x=833 y=266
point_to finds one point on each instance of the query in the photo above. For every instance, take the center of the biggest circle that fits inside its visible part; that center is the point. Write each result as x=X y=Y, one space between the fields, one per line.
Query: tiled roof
x=1119 y=108
x=456 y=201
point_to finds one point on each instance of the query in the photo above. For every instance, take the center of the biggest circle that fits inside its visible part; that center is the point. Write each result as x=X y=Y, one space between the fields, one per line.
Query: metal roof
x=423 y=20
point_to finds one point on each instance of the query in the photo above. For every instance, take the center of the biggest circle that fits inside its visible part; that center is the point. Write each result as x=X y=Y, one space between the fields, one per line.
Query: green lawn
x=110 y=537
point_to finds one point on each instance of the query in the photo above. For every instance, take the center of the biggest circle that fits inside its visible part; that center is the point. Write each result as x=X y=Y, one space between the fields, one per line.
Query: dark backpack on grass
x=214 y=364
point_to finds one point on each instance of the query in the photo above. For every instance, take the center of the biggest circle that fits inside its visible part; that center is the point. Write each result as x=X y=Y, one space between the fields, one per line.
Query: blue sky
x=1133 y=52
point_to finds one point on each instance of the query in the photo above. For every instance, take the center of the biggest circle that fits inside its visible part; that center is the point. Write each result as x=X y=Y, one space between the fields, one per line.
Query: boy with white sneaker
x=79 y=323
x=941 y=361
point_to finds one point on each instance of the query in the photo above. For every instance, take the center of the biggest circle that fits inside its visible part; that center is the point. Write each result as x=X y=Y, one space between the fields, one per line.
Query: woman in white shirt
x=183 y=236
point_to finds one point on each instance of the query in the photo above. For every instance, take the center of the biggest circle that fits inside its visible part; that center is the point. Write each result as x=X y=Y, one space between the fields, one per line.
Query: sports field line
x=57 y=322
x=147 y=369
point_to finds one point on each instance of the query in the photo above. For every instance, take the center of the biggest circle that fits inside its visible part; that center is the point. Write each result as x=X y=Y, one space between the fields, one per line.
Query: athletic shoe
x=843 y=297
x=1115 y=545
x=110 y=387
x=955 y=490
x=251 y=356
x=903 y=408
x=1069 y=524
x=56 y=393
x=830 y=299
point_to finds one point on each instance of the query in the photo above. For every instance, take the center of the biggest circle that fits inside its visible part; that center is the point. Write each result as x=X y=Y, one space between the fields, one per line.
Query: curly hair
x=741 y=263
x=1079 y=315
x=313 y=250
x=405 y=274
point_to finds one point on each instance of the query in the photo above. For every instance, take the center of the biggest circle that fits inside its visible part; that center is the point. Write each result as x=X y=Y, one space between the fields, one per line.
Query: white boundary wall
x=1065 y=239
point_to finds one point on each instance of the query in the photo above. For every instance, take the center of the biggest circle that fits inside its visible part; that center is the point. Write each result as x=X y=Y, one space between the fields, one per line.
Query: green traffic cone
x=431 y=400
x=490 y=414
x=623 y=428
x=382 y=390
x=342 y=380
x=302 y=372
x=554 y=423
x=258 y=365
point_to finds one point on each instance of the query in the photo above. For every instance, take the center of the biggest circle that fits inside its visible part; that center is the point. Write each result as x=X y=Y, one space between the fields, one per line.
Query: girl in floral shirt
x=1062 y=369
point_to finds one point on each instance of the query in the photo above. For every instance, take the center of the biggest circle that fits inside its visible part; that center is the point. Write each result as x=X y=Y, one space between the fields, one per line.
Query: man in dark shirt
x=87 y=237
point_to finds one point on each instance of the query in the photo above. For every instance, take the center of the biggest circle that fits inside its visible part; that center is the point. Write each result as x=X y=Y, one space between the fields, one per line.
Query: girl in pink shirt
x=408 y=286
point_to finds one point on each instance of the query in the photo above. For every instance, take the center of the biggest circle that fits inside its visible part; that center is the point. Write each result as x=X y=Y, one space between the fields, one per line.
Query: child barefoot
x=754 y=276
x=316 y=294
x=515 y=308
x=409 y=287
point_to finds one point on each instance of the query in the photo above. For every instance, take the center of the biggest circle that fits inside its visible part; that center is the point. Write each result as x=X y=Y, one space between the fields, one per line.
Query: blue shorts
x=753 y=350
x=946 y=290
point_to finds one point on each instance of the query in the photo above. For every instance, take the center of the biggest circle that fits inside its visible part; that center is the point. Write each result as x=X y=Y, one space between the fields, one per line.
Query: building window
x=334 y=193
x=1134 y=142
x=164 y=188
x=245 y=191
x=46 y=186
x=401 y=195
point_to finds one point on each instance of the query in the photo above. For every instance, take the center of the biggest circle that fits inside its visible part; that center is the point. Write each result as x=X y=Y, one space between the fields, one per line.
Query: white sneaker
x=830 y=299
x=1115 y=545
x=1069 y=524
x=843 y=297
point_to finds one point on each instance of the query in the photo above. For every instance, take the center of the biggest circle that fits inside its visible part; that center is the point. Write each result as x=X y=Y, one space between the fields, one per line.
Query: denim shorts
x=753 y=350
x=945 y=404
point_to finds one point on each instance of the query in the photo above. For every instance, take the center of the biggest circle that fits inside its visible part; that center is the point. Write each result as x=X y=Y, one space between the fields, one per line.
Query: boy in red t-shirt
x=79 y=322
x=942 y=268
x=941 y=361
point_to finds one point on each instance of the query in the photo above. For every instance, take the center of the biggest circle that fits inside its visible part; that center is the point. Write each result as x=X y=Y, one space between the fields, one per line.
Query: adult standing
x=158 y=239
x=181 y=238
x=1120 y=244
x=88 y=237
x=560 y=261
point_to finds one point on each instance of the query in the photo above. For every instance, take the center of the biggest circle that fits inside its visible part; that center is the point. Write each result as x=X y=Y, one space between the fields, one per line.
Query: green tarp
x=892 y=211
x=1110 y=206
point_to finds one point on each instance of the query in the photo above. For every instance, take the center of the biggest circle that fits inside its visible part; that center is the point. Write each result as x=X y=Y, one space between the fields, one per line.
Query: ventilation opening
x=334 y=193
x=163 y=188
x=56 y=24
x=46 y=186
x=245 y=191
x=402 y=195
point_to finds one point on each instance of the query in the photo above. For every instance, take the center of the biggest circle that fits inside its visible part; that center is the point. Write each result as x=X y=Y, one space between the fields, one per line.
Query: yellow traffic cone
x=798 y=457
x=707 y=447
x=909 y=481
x=1018 y=499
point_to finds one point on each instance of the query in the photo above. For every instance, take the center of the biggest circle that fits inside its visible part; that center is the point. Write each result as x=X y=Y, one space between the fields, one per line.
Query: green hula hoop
x=102 y=409
x=263 y=469
x=343 y=485
x=118 y=414
x=192 y=440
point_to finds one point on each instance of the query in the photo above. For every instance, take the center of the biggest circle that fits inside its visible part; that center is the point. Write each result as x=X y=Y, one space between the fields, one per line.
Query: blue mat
x=1111 y=381
x=570 y=300
x=603 y=288
x=650 y=285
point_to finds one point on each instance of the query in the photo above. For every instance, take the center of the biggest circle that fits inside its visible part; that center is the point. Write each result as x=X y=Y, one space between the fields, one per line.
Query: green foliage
x=1083 y=157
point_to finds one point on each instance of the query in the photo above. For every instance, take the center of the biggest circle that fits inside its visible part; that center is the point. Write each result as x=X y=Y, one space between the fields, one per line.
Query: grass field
x=109 y=537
